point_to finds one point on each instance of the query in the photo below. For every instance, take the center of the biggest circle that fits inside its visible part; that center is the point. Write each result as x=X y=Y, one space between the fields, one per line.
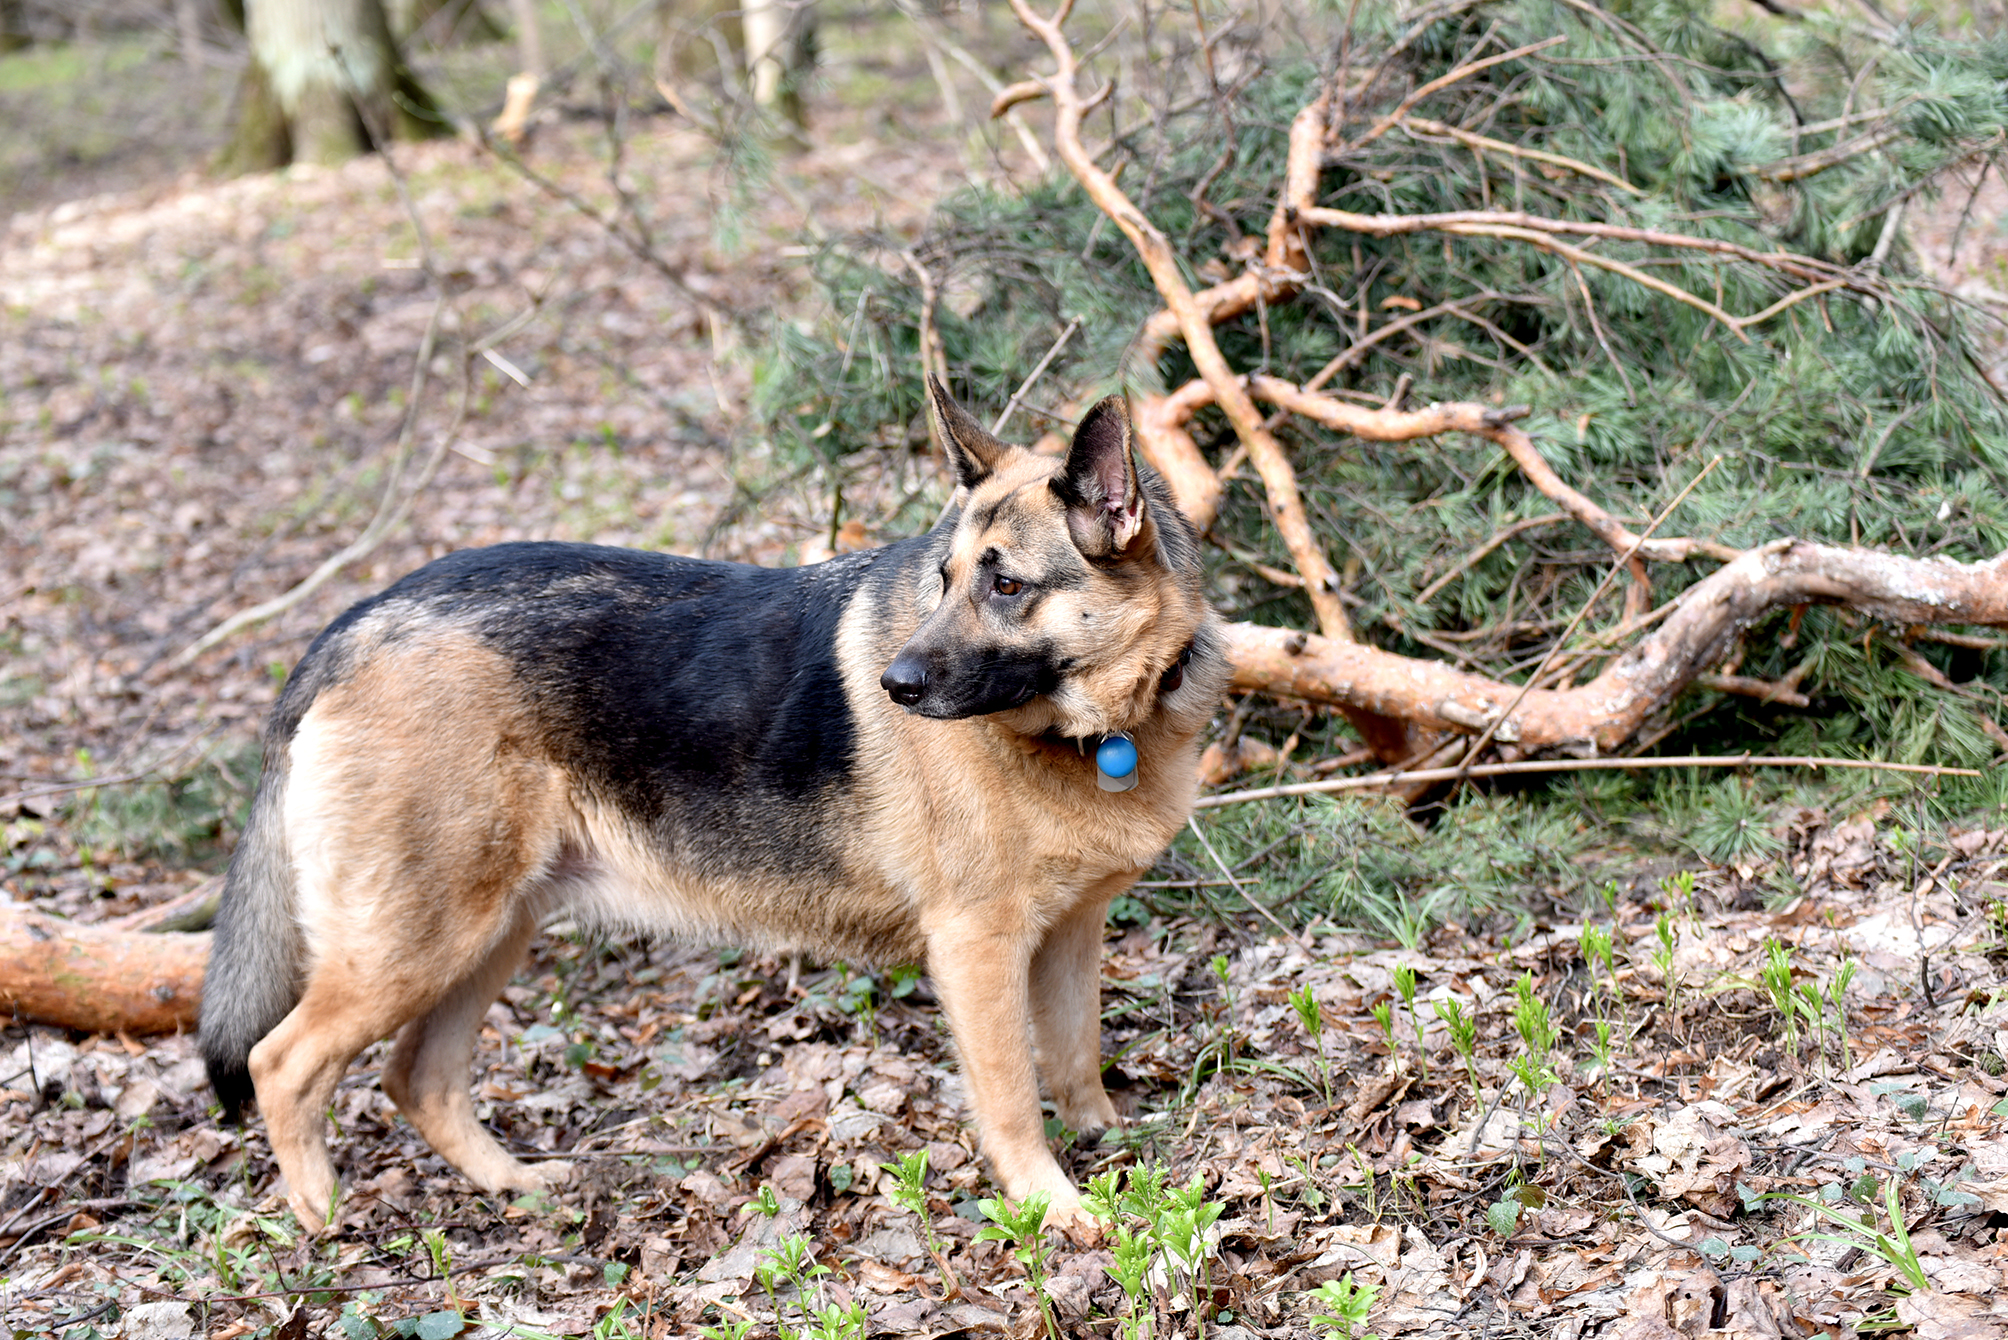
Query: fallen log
x=98 y=979
x=1600 y=716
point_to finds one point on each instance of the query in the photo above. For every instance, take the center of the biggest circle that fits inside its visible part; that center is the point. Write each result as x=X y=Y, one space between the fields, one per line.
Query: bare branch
x=1485 y=142
x=1383 y=780
x=1598 y=717
x=1384 y=425
x=1285 y=502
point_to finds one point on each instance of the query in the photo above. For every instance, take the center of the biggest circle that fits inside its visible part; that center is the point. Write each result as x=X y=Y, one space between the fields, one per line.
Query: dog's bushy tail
x=253 y=978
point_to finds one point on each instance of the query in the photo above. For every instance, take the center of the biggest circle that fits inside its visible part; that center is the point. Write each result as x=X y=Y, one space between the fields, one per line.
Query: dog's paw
x=553 y=1176
x=1095 y=1133
x=1075 y=1224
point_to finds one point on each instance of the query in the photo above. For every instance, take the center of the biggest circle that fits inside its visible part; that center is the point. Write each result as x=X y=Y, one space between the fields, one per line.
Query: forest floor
x=203 y=387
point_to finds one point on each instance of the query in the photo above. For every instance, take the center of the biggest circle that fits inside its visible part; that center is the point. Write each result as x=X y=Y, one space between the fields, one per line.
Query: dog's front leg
x=982 y=971
x=1067 y=1009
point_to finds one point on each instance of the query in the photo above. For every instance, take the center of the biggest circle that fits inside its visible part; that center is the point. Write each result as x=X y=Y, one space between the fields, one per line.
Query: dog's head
x=1069 y=587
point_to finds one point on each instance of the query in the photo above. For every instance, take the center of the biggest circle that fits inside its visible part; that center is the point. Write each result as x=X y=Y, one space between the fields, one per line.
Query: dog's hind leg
x=428 y=1073
x=347 y=1005
x=1066 y=1010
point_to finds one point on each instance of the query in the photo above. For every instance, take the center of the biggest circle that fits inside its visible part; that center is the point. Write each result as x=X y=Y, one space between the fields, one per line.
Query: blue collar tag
x=1116 y=763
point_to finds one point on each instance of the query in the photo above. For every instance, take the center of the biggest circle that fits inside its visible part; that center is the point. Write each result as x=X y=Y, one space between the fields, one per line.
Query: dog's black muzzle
x=948 y=686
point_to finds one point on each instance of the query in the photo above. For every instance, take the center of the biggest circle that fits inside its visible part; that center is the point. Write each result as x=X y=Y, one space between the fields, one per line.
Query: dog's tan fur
x=431 y=830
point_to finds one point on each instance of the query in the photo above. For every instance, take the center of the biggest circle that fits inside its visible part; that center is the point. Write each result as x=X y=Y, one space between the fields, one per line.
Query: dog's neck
x=1168 y=682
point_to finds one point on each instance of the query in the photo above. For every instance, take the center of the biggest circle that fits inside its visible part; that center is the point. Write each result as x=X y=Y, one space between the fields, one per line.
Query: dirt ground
x=203 y=390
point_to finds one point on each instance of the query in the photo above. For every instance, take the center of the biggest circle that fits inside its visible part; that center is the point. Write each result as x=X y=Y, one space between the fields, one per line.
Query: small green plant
x=857 y=995
x=1463 y=1029
x=1679 y=890
x=1313 y=1195
x=909 y=1192
x=1159 y=1234
x=1186 y=1230
x=1893 y=1246
x=1502 y=1216
x=1836 y=988
x=1383 y=1013
x=1810 y=1001
x=1538 y=1034
x=1369 y=1188
x=439 y=1251
x=1776 y=975
x=791 y=1261
x=1133 y=1252
x=1597 y=952
x=1601 y=1049
x=764 y=1202
x=1023 y=1226
x=1404 y=985
x=1349 y=1303
x=1662 y=958
x=728 y=1330
x=1312 y=1016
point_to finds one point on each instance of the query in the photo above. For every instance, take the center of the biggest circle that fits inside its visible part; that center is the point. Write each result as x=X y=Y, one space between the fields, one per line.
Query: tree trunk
x=529 y=37
x=324 y=83
x=13 y=28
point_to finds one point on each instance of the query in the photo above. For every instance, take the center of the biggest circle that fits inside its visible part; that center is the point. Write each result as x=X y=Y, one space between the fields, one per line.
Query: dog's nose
x=905 y=679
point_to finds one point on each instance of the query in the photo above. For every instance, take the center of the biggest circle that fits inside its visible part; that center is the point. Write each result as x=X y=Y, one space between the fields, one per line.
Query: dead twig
x=1477 y=555
x=1487 y=143
x=1443 y=81
x=1280 y=481
x=1389 y=779
x=1491 y=422
x=1246 y=896
x=395 y=504
x=1032 y=377
x=1784 y=691
x=1623 y=563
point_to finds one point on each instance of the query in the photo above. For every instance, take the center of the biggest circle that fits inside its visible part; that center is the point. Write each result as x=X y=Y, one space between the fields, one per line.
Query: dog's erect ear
x=970 y=449
x=1105 y=507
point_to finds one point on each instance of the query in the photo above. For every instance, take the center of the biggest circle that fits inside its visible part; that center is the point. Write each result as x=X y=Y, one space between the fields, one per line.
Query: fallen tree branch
x=1785 y=691
x=1160 y=426
x=1629 y=559
x=191 y=911
x=1441 y=82
x=1407 y=707
x=98 y=979
x=1516 y=224
x=1495 y=423
x=1195 y=325
x=1397 y=778
x=1487 y=143
x=1600 y=716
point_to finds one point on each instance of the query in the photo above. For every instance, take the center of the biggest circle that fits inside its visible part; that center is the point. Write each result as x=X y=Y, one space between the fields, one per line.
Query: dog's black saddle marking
x=702 y=699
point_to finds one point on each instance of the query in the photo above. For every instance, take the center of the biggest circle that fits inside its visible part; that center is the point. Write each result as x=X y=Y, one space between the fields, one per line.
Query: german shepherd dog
x=889 y=757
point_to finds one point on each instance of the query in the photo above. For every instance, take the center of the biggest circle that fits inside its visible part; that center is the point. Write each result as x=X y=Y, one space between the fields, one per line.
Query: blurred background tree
x=326 y=81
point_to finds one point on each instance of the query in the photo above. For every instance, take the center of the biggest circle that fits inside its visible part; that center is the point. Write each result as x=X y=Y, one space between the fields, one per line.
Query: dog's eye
x=1007 y=586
